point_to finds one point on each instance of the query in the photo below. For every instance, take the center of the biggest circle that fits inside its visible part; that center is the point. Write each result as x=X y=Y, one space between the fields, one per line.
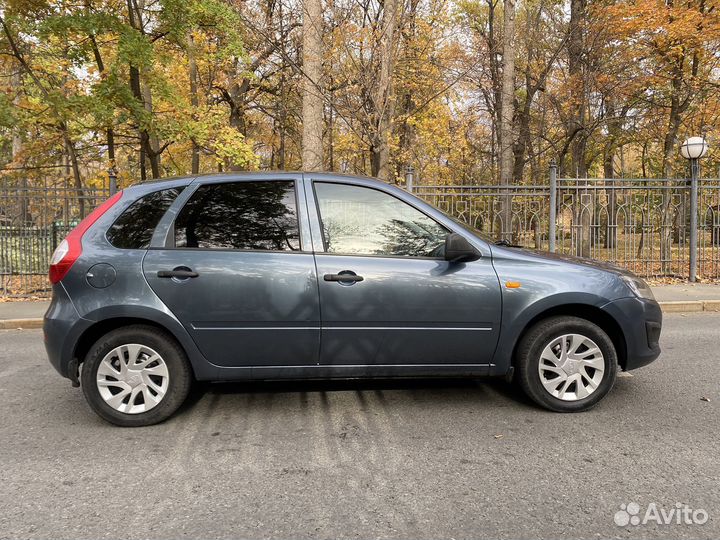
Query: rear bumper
x=641 y=322
x=61 y=326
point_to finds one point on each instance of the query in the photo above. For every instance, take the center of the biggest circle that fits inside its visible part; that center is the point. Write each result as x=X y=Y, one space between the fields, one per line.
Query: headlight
x=638 y=287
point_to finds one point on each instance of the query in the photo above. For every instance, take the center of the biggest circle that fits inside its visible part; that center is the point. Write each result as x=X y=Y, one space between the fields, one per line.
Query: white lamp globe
x=694 y=148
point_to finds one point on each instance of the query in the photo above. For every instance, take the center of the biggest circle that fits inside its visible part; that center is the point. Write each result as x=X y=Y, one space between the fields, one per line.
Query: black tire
x=180 y=374
x=530 y=349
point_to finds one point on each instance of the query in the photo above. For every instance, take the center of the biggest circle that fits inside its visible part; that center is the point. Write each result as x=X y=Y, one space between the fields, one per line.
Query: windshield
x=483 y=236
x=480 y=234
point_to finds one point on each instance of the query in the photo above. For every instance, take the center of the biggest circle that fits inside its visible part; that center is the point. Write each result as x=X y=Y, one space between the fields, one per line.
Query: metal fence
x=640 y=224
x=33 y=221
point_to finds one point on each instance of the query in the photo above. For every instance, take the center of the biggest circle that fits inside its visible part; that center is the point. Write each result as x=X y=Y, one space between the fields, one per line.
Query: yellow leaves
x=654 y=23
x=231 y=148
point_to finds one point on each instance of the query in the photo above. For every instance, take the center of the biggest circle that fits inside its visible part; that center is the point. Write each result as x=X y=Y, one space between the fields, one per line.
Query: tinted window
x=240 y=215
x=364 y=221
x=136 y=225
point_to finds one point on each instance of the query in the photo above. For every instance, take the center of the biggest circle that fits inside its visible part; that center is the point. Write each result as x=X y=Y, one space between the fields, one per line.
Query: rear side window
x=240 y=215
x=135 y=226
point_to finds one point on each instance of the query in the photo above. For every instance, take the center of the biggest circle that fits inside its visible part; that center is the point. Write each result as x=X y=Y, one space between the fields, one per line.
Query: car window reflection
x=240 y=215
x=364 y=221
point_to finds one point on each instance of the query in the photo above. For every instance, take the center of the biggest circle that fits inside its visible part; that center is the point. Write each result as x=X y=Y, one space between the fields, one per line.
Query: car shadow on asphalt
x=476 y=391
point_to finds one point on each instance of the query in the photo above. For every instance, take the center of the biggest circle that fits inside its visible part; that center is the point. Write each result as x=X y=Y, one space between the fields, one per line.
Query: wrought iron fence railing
x=33 y=221
x=640 y=224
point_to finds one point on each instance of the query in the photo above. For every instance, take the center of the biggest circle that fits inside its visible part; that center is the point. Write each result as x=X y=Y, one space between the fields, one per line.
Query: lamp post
x=693 y=149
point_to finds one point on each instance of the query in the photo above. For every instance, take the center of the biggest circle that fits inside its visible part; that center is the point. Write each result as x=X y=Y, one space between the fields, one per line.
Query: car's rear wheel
x=135 y=376
x=566 y=364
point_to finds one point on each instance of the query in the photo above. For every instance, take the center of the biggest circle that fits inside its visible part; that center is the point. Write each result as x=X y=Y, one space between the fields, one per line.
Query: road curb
x=678 y=306
x=682 y=306
x=17 y=324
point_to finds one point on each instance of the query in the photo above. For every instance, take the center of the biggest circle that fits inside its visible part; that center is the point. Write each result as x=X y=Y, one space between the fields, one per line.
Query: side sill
x=353 y=371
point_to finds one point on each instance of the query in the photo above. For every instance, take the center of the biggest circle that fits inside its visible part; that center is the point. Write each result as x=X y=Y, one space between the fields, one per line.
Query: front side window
x=364 y=221
x=135 y=226
x=240 y=215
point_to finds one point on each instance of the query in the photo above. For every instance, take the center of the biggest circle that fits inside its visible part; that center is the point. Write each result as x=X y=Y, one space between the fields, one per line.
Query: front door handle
x=177 y=273
x=346 y=276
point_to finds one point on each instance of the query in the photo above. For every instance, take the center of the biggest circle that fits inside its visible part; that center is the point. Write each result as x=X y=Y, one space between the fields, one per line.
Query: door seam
x=317 y=275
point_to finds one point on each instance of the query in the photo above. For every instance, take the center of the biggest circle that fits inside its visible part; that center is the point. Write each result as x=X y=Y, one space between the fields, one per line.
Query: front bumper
x=640 y=320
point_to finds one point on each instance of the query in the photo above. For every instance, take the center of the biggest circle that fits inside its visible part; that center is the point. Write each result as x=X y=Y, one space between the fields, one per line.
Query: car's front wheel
x=135 y=376
x=566 y=364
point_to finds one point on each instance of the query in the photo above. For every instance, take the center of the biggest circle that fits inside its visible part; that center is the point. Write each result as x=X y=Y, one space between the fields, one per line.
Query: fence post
x=53 y=228
x=694 y=170
x=112 y=176
x=552 y=229
x=409 y=177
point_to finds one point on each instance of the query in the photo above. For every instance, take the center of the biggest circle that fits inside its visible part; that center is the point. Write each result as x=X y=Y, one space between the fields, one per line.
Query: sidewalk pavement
x=683 y=297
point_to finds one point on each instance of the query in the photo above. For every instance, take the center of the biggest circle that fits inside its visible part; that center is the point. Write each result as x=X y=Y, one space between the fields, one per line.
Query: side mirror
x=458 y=249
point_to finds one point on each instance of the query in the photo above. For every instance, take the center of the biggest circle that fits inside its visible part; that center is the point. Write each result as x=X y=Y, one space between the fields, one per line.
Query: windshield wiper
x=506 y=243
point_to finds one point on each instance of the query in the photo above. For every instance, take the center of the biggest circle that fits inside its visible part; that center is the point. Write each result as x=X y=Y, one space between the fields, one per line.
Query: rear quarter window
x=135 y=226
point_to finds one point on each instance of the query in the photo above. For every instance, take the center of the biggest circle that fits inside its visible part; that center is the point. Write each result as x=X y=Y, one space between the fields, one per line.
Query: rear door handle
x=178 y=273
x=346 y=276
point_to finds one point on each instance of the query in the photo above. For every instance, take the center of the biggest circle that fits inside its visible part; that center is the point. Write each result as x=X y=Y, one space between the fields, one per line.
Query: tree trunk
x=667 y=217
x=382 y=96
x=282 y=115
x=677 y=107
x=576 y=50
x=141 y=92
x=609 y=173
x=17 y=150
x=193 y=76
x=77 y=178
x=238 y=122
x=494 y=99
x=312 y=106
x=576 y=126
x=506 y=114
x=109 y=132
x=523 y=141
x=532 y=84
x=405 y=103
x=153 y=144
x=613 y=128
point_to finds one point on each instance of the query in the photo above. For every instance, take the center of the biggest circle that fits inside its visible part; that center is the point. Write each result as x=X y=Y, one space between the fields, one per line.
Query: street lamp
x=693 y=149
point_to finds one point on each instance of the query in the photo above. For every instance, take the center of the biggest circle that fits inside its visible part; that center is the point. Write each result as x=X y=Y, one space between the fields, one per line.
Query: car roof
x=178 y=181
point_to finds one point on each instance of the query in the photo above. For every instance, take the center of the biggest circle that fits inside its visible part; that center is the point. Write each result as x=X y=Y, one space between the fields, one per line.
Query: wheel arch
x=588 y=312
x=105 y=321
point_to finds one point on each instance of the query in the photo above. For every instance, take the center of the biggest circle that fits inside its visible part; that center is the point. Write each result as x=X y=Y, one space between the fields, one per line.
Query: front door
x=233 y=271
x=387 y=295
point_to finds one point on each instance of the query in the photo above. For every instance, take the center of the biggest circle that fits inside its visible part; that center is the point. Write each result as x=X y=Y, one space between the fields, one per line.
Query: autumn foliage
x=165 y=87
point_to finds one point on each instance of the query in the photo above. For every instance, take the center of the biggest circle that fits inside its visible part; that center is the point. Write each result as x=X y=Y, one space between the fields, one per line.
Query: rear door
x=235 y=270
x=387 y=295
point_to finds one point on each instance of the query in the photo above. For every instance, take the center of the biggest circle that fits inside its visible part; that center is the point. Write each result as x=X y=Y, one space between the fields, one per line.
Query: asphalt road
x=365 y=460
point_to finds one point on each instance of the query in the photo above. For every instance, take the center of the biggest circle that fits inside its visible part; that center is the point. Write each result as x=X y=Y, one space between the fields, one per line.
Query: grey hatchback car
x=319 y=276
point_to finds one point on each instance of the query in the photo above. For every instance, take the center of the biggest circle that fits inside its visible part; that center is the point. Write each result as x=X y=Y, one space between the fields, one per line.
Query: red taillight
x=71 y=248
